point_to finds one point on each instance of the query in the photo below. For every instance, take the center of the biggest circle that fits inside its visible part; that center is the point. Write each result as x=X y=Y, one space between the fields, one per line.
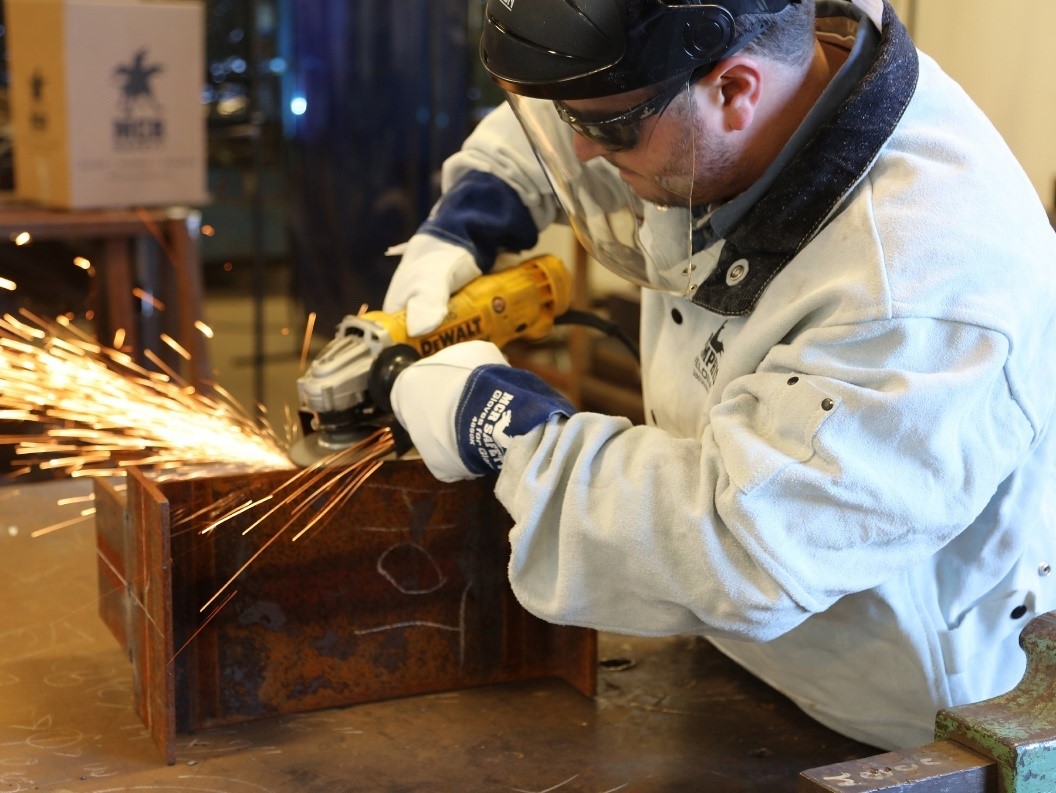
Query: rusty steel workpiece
x=401 y=591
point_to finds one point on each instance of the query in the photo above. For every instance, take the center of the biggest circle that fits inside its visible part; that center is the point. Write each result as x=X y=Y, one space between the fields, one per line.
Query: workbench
x=670 y=714
x=123 y=238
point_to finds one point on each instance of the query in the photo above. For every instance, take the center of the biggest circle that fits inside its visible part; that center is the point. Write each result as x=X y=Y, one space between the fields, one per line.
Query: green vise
x=1018 y=729
x=1002 y=745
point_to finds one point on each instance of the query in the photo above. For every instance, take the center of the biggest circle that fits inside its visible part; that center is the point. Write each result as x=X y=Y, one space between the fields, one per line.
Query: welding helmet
x=546 y=52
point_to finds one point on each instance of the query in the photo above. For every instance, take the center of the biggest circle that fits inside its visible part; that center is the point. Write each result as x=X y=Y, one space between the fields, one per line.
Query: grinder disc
x=315 y=447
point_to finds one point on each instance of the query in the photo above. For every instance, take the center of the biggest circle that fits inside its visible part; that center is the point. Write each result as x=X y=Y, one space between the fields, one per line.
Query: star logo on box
x=140 y=123
x=36 y=85
x=38 y=118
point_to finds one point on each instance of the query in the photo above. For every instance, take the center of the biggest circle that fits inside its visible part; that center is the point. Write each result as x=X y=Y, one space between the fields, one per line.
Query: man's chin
x=651 y=191
x=655 y=194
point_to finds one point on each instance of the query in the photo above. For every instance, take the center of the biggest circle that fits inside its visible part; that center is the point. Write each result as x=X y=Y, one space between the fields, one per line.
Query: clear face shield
x=625 y=178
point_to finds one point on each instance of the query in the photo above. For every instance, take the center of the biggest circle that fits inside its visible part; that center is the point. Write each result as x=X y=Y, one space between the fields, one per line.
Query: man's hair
x=787 y=36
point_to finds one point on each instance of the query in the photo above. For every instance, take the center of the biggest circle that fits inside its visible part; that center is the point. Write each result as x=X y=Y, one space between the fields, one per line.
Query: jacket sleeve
x=499 y=147
x=817 y=476
x=497 y=196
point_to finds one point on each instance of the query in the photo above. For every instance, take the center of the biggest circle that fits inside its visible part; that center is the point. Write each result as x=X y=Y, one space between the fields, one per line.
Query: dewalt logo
x=471 y=329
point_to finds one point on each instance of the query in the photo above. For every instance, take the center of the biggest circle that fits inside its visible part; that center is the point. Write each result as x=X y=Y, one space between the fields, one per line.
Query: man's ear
x=737 y=82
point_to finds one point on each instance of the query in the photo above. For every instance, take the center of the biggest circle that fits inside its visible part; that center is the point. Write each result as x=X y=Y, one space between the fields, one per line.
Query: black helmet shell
x=577 y=49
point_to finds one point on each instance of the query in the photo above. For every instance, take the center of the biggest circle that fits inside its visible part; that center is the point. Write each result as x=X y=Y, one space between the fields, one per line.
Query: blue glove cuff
x=498 y=403
x=484 y=215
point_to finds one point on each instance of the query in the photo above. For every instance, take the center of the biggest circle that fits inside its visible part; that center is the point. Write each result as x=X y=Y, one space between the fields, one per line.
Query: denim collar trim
x=817 y=178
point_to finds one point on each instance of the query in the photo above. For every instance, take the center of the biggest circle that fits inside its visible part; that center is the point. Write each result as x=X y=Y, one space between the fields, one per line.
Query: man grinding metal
x=848 y=323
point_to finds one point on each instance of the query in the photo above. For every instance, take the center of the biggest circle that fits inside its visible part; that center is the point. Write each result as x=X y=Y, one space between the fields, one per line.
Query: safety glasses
x=620 y=132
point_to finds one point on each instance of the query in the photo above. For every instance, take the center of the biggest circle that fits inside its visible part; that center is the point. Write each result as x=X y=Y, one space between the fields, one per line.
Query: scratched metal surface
x=402 y=591
x=680 y=718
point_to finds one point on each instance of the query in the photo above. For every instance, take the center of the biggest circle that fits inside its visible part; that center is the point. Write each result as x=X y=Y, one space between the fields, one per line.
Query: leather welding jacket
x=844 y=480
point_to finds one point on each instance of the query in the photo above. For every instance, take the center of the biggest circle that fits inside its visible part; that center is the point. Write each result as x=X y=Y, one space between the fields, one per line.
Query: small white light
x=298 y=105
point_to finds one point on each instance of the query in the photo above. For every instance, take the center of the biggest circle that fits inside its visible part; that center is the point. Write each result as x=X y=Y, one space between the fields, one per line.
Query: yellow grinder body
x=518 y=303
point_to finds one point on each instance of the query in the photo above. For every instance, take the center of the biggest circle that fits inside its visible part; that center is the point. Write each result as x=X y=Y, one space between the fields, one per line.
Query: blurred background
x=326 y=122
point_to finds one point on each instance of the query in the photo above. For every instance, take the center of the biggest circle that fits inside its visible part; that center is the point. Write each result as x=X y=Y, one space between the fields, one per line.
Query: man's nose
x=585 y=148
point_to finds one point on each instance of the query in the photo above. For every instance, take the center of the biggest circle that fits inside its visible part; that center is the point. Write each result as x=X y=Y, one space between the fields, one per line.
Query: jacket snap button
x=1045 y=569
x=1018 y=612
x=737 y=272
x=676 y=315
x=827 y=404
x=793 y=380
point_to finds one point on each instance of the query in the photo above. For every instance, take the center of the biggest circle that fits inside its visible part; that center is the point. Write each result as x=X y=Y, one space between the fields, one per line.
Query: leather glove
x=430 y=271
x=462 y=405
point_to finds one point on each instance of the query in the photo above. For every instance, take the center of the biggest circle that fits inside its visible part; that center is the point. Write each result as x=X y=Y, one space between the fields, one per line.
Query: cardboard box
x=106 y=102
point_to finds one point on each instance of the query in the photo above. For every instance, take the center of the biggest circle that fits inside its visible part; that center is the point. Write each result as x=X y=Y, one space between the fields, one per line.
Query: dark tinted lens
x=613 y=136
x=619 y=132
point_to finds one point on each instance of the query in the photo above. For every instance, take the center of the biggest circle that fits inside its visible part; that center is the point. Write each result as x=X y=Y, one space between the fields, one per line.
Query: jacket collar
x=804 y=195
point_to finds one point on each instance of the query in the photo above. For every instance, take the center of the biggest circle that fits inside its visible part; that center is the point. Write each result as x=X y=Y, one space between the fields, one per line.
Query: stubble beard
x=699 y=172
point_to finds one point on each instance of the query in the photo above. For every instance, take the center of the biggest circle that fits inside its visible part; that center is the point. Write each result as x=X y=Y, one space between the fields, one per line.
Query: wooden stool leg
x=182 y=235
x=120 y=303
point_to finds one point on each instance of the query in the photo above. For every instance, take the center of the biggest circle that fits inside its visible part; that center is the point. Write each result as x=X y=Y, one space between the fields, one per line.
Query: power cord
x=576 y=317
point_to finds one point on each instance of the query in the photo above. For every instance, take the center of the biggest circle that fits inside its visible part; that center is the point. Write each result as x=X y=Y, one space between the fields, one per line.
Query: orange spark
x=307 y=340
x=247 y=506
x=180 y=350
x=57 y=526
x=100 y=412
x=146 y=297
x=358 y=461
x=205 y=622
